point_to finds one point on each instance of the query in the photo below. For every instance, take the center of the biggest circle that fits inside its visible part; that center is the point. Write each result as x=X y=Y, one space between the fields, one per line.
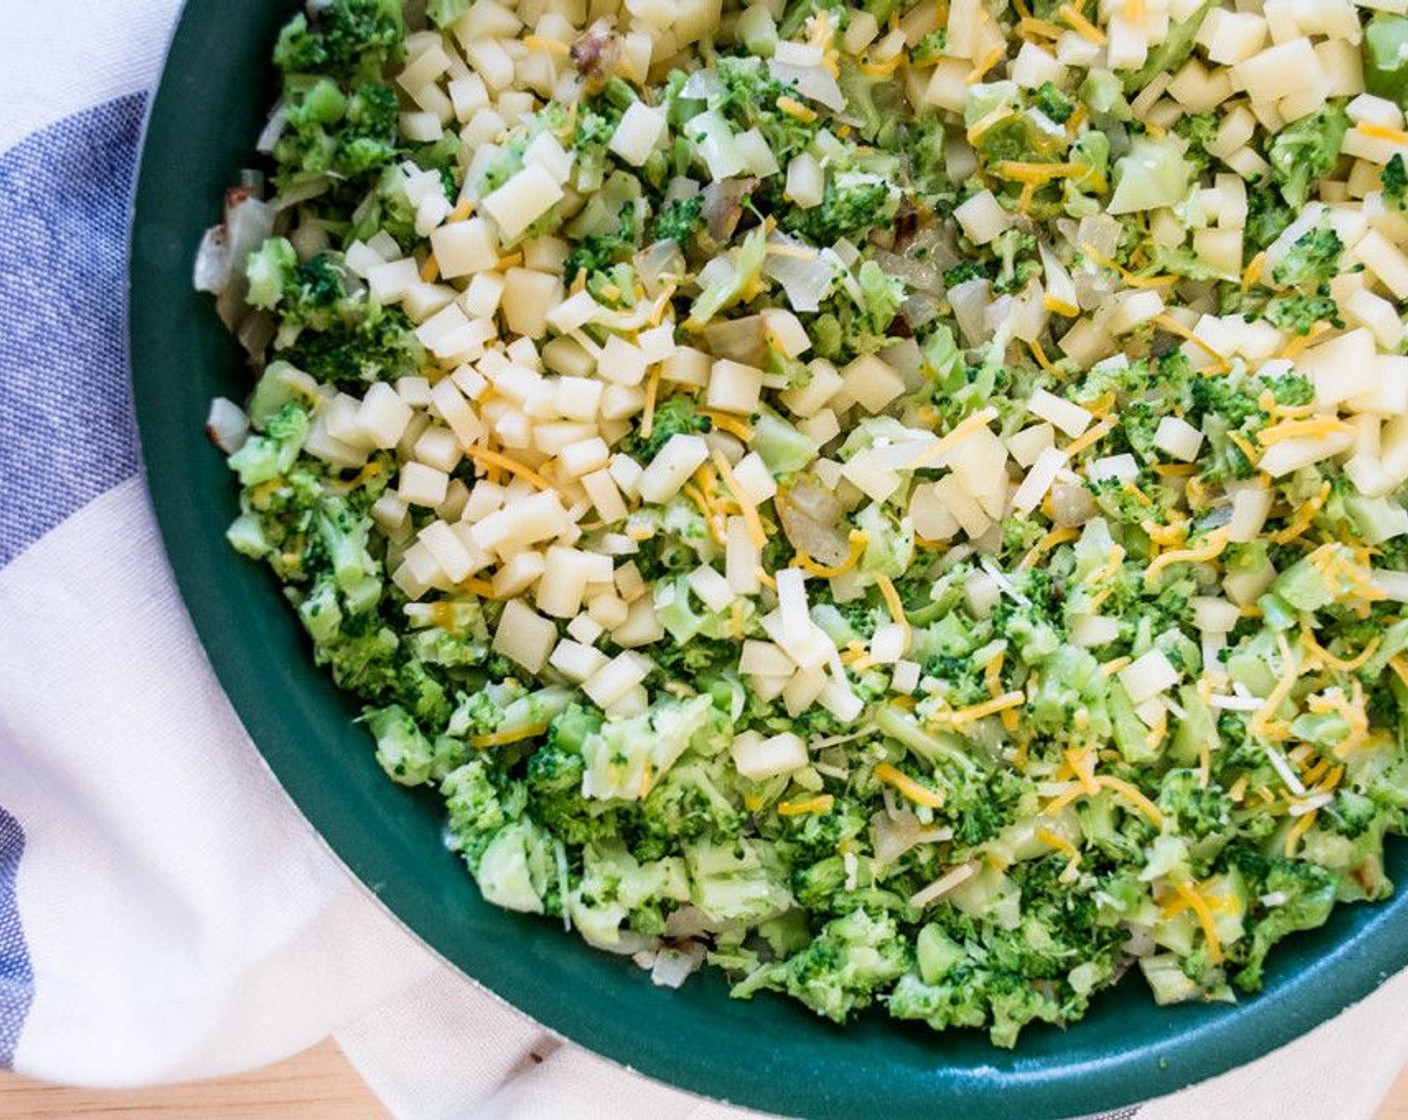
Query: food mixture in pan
x=900 y=503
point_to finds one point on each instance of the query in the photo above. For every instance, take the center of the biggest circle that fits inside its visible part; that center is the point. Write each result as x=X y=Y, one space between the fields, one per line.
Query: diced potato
x=734 y=387
x=464 y=248
x=622 y=362
x=522 y=201
x=679 y=458
x=1178 y=438
x=641 y=128
x=982 y=217
x=524 y=636
x=527 y=299
x=806 y=181
x=420 y=485
x=871 y=383
x=1147 y=676
x=760 y=759
x=1071 y=418
x=382 y=416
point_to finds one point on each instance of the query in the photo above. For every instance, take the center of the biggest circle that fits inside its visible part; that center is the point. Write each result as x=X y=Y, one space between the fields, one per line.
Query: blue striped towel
x=165 y=914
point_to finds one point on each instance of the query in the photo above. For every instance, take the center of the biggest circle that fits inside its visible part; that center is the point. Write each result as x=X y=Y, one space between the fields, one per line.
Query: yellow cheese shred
x=485 y=457
x=859 y=539
x=503 y=738
x=1082 y=26
x=751 y=517
x=981 y=711
x=821 y=803
x=1198 y=904
x=965 y=429
x=918 y=793
x=1210 y=549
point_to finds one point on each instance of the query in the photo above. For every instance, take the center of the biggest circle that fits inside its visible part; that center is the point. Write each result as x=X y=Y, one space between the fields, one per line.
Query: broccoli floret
x=368 y=343
x=1305 y=150
x=1313 y=260
x=1298 y=314
x=874 y=101
x=1351 y=814
x=1053 y=103
x=1200 y=812
x=268 y=270
x=1303 y=893
x=479 y=807
x=750 y=98
x=843 y=969
x=963 y=271
x=268 y=454
x=329 y=134
x=351 y=40
x=881 y=296
x=1198 y=129
x=679 y=220
x=598 y=252
x=1172 y=53
x=850 y=204
x=1267 y=217
x=1394 y=180
x=675 y=416
x=689 y=804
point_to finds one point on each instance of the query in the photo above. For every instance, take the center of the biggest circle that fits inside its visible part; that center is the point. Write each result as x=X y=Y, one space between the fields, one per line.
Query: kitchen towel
x=165 y=913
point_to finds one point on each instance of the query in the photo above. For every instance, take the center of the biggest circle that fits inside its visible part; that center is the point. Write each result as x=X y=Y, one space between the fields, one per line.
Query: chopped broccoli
x=674 y=416
x=351 y=40
x=1394 y=180
x=679 y=220
x=1313 y=260
x=842 y=970
x=1305 y=150
x=849 y=204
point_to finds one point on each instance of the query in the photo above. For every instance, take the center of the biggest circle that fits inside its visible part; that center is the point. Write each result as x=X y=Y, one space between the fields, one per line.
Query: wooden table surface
x=318 y=1084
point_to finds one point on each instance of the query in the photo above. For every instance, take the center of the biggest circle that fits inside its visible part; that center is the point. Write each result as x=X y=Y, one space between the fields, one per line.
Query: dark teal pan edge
x=766 y=1054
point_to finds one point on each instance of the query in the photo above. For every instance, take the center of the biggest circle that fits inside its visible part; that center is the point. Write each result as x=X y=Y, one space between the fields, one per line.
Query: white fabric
x=180 y=917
